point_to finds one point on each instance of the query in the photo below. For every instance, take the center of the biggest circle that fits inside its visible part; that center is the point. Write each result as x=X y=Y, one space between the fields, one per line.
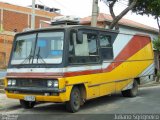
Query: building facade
x=14 y=19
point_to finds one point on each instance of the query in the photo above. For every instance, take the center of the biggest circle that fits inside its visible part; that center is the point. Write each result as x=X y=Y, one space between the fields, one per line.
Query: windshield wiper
x=39 y=56
x=27 y=58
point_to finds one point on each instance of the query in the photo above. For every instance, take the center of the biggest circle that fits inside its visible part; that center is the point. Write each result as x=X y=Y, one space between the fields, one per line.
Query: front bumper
x=39 y=98
x=35 y=89
x=42 y=98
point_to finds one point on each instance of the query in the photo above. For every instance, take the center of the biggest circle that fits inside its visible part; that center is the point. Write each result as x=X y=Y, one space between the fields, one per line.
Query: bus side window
x=81 y=49
x=92 y=44
x=106 y=47
x=85 y=52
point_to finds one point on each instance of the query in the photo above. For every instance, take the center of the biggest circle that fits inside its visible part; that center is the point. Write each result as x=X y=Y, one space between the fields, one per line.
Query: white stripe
x=148 y=70
x=53 y=70
x=105 y=65
x=120 y=42
x=34 y=70
x=74 y=69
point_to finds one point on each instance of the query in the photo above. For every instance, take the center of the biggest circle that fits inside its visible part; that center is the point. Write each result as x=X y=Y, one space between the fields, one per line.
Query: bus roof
x=77 y=27
x=67 y=27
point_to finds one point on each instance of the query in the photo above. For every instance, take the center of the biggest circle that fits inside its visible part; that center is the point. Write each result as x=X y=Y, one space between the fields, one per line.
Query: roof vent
x=65 y=20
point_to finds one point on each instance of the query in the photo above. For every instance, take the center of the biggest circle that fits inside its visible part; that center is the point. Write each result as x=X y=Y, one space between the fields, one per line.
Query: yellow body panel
x=101 y=84
x=117 y=79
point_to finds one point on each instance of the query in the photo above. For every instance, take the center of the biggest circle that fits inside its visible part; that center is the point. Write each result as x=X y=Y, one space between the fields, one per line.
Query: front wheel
x=131 y=92
x=27 y=104
x=75 y=101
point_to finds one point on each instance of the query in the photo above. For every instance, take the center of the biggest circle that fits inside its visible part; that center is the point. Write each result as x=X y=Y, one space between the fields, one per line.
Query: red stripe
x=86 y=72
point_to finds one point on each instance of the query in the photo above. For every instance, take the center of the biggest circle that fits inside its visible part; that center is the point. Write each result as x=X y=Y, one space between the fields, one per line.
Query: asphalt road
x=147 y=102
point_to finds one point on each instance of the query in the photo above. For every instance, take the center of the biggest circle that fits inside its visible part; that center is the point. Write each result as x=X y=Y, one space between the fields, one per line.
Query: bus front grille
x=31 y=83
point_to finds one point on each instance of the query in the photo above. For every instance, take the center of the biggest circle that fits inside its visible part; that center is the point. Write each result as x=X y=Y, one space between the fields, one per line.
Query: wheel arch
x=138 y=80
x=82 y=90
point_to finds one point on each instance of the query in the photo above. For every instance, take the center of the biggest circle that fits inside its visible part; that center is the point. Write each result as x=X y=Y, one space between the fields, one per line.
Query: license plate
x=29 y=98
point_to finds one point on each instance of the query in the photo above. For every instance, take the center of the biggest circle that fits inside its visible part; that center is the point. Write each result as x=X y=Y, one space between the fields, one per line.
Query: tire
x=131 y=92
x=27 y=104
x=75 y=101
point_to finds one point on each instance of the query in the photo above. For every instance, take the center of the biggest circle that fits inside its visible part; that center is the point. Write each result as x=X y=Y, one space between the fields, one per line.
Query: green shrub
x=156 y=44
x=158 y=74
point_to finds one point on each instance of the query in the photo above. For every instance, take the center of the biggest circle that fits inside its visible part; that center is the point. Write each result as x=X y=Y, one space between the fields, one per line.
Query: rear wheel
x=131 y=92
x=75 y=101
x=27 y=104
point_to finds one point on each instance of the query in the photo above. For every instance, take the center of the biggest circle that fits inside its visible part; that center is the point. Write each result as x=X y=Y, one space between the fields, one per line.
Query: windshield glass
x=49 y=48
x=23 y=48
x=46 y=48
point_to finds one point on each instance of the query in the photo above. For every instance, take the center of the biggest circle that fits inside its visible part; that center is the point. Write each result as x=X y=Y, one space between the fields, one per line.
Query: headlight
x=52 y=83
x=49 y=83
x=9 y=82
x=13 y=82
x=55 y=84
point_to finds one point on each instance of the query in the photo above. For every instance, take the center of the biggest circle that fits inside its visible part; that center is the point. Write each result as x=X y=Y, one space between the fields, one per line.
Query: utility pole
x=33 y=15
x=94 y=13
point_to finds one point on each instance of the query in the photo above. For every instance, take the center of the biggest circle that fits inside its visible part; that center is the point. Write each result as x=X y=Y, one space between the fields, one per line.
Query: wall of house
x=129 y=30
x=14 y=19
x=99 y=24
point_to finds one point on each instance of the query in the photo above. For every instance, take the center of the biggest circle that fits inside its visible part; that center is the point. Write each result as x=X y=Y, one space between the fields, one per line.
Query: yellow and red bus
x=72 y=64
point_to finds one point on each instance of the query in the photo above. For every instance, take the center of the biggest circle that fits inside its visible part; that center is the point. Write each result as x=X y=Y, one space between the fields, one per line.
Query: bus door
x=84 y=54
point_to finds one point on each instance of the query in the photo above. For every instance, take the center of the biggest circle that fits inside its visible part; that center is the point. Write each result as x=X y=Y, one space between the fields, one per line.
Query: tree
x=156 y=46
x=148 y=7
x=115 y=18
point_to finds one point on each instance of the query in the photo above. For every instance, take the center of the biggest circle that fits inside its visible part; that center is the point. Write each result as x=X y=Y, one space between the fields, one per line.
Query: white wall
x=133 y=31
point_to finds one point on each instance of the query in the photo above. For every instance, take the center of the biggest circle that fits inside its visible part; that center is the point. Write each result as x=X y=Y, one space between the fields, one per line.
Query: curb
x=150 y=84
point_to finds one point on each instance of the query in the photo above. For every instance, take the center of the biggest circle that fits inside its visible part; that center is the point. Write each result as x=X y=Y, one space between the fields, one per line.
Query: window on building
x=84 y=52
x=106 y=46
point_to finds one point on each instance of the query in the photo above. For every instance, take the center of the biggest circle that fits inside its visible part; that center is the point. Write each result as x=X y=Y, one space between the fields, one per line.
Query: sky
x=83 y=8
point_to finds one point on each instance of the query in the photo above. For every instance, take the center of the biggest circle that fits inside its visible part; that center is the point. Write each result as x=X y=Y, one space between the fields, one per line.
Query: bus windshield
x=40 y=48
